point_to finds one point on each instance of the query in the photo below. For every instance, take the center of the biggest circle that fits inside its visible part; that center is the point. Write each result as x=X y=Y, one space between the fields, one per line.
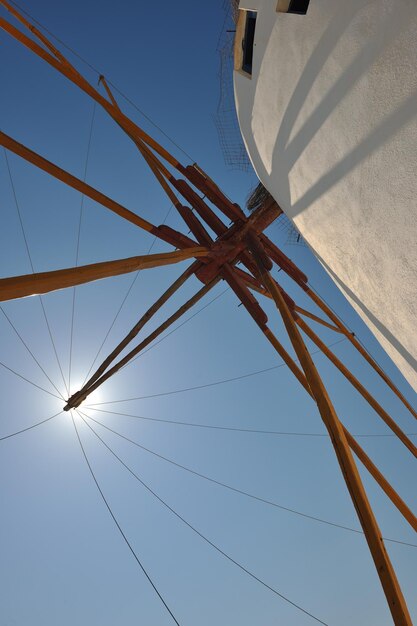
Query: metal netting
x=225 y=119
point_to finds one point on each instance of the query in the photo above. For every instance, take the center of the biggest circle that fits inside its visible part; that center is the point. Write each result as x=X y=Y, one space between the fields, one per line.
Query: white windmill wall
x=329 y=119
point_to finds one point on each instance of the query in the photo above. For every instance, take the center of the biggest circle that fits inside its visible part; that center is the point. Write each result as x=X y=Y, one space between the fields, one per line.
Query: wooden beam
x=358 y=386
x=318 y=319
x=87 y=190
x=72 y=181
x=382 y=481
x=141 y=323
x=69 y=72
x=44 y=282
x=347 y=464
x=81 y=395
x=350 y=336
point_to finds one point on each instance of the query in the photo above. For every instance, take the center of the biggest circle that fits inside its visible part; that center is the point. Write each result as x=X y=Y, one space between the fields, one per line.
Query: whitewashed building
x=326 y=95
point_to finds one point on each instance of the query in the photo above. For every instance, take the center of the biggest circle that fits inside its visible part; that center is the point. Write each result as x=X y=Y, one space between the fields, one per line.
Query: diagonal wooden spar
x=162 y=232
x=396 y=600
x=80 y=396
x=358 y=385
x=244 y=241
x=44 y=282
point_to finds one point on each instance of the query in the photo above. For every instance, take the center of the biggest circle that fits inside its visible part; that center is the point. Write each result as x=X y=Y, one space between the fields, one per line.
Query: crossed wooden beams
x=217 y=248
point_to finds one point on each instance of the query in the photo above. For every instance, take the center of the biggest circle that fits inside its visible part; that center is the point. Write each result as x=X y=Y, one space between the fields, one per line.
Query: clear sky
x=63 y=561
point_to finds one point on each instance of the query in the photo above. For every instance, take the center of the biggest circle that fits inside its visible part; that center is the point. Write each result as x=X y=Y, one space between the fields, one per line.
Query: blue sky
x=63 y=560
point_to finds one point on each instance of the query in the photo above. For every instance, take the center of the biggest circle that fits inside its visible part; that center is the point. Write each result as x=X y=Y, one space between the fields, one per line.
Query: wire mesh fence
x=225 y=119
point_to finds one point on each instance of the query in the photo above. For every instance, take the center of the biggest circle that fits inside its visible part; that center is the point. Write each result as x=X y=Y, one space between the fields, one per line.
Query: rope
x=118 y=525
x=240 y=491
x=124 y=301
x=78 y=243
x=29 y=350
x=18 y=432
x=177 y=327
x=214 y=384
x=94 y=69
x=234 y=429
x=211 y=543
x=32 y=267
x=29 y=381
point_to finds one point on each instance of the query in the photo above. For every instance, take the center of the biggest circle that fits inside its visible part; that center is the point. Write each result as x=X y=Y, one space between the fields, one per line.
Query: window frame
x=285 y=6
x=243 y=31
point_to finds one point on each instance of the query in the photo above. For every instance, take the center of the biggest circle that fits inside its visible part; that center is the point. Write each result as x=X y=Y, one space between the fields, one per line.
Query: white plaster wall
x=329 y=119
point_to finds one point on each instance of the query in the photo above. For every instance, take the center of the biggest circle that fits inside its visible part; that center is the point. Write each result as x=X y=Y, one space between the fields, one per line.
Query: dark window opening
x=298 y=6
x=248 y=41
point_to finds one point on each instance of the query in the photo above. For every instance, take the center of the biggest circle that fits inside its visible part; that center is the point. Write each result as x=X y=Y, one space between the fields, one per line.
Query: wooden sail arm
x=382 y=481
x=87 y=190
x=156 y=166
x=68 y=71
x=351 y=337
x=144 y=319
x=79 y=397
x=35 y=31
x=356 y=448
x=385 y=570
x=358 y=386
x=44 y=282
x=318 y=319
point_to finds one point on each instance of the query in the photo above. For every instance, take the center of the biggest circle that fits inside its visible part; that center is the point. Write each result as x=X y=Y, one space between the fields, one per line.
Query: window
x=248 y=41
x=293 y=6
x=245 y=41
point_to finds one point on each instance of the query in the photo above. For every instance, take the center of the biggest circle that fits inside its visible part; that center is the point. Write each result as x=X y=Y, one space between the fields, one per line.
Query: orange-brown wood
x=204 y=211
x=141 y=323
x=68 y=71
x=204 y=183
x=87 y=190
x=327 y=310
x=44 y=282
x=355 y=382
x=72 y=181
x=393 y=593
x=382 y=481
x=35 y=31
x=222 y=265
x=318 y=319
x=81 y=395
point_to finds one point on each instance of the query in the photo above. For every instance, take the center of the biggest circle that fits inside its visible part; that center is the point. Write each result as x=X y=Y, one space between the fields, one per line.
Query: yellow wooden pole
x=87 y=190
x=69 y=72
x=318 y=319
x=141 y=323
x=347 y=464
x=44 y=282
x=382 y=481
x=358 y=385
x=81 y=395
x=350 y=336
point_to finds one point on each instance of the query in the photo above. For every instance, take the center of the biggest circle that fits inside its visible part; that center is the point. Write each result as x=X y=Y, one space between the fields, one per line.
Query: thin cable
x=135 y=106
x=118 y=525
x=213 y=545
x=240 y=491
x=77 y=253
x=123 y=301
x=30 y=351
x=235 y=429
x=349 y=329
x=76 y=54
x=32 y=267
x=18 y=432
x=177 y=327
x=214 y=384
x=29 y=381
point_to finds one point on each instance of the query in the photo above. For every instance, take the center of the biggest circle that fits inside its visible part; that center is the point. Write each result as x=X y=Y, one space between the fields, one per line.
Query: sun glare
x=94 y=397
